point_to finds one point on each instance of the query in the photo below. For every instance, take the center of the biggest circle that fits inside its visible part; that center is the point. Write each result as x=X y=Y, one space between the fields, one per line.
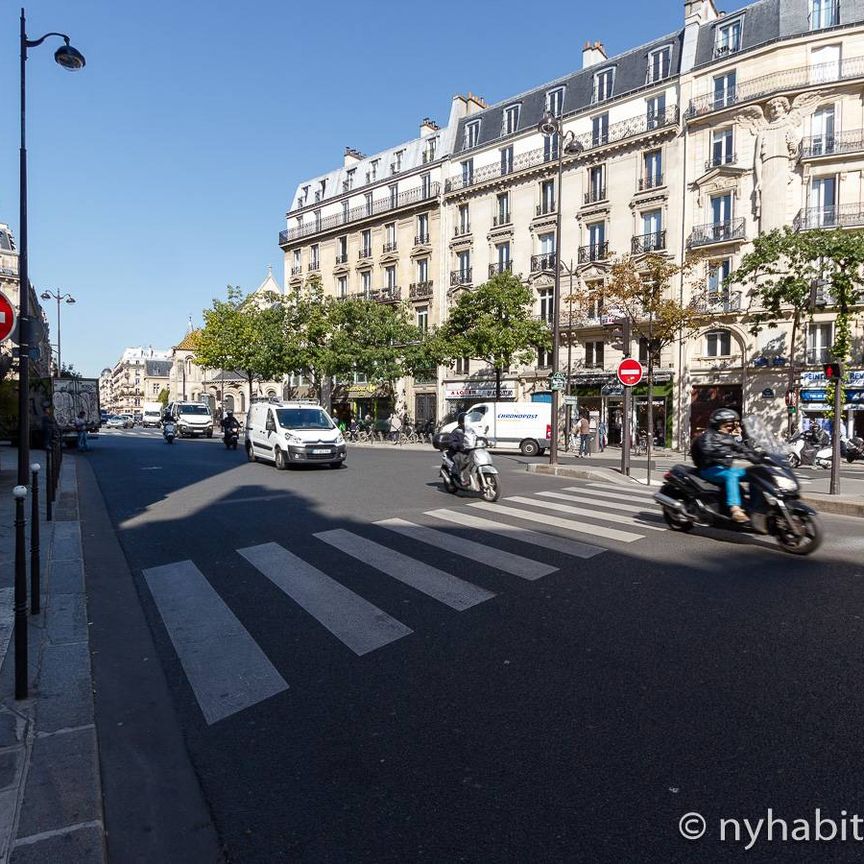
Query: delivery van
x=526 y=426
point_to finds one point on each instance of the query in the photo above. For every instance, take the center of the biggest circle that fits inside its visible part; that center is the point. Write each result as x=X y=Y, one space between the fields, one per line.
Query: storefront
x=361 y=401
x=461 y=395
x=707 y=398
x=814 y=405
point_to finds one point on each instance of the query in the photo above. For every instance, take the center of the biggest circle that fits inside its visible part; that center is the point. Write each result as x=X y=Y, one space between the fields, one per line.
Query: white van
x=151 y=414
x=523 y=425
x=192 y=419
x=286 y=433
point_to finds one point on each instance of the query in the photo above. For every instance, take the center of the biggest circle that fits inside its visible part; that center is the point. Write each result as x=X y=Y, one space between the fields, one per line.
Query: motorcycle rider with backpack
x=713 y=453
x=462 y=440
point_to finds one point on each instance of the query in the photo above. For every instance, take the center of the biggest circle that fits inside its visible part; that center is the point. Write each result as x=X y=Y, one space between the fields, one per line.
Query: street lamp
x=549 y=126
x=72 y=60
x=68 y=298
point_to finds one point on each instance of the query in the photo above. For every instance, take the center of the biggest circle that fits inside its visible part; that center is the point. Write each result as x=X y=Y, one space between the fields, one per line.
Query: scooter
x=852 y=448
x=231 y=437
x=169 y=431
x=773 y=503
x=804 y=451
x=482 y=475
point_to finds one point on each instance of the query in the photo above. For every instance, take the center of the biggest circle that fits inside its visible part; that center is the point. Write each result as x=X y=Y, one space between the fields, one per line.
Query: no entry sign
x=629 y=372
x=7 y=317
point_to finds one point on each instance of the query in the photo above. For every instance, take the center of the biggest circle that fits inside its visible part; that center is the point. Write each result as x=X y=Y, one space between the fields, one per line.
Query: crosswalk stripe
x=498 y=559
x=444 y=587
x=597 y=493
x=633 y=489
x=352 y=620
x=581 y=511
x=224 y=665
x=546 y=519
x=517 y=532
x=584 y=499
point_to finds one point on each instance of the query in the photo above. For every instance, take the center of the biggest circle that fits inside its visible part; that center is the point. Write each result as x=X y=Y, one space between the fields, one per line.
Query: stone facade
x=126 y=387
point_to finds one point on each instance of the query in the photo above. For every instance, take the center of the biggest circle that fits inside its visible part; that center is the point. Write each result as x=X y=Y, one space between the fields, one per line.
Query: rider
x=229 y=422
x=462 y=440
x=713 y=452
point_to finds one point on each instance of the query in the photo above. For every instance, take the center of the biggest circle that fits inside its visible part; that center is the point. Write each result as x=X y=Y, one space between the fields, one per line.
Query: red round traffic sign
x=7 y=317
x=629 y=372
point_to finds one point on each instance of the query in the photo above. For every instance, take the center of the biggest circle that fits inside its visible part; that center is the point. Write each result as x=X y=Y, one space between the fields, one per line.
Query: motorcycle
x=231 y=437
x=805 y=451
x=773 y=502
x=481 y=473
x=852 y=448
x=169 y=431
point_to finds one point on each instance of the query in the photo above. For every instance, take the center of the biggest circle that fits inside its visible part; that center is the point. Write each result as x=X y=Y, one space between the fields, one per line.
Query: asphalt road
x=570 y=701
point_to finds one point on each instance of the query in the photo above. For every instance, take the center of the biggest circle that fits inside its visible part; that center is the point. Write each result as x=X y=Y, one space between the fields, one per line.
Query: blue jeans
x=728 y=477
x=82 y=440
x=584 y=444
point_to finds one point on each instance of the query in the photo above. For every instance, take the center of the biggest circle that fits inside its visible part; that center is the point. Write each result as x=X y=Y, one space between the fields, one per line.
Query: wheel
x=794 y=461
x=850 y=457
x=449 y=485
x=811 y=537
x=675 y=521
x=491 y=487
x=170 y=440
x=281 y=461
x=529 y=447
x=250 y=455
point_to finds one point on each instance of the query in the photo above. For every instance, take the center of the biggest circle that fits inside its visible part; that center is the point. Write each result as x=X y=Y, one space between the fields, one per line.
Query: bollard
x=49 y=494
x=35 y=588
x=20 y=493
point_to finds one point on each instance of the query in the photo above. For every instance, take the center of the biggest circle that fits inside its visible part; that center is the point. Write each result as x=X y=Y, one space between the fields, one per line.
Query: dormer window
x=824 y=13
x=555 y=102
x=511 y=120
x=305 y=194
x=373 y=168
x=349 y=182
x=604 y=84
x=472 y=134
x=323 y=187
x=727 y=38
x=396 y=164
x=659 y=64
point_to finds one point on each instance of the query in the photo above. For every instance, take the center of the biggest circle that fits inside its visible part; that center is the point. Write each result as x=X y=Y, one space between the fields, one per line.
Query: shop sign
x=816 y=378
x=768 y=393
x=477 y=390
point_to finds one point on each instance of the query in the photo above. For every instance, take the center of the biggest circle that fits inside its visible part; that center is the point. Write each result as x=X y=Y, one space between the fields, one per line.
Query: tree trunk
x=497 y=383
x=790 y=387
x=249 y=379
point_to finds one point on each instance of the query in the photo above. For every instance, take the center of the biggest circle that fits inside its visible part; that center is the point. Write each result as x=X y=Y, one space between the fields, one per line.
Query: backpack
x=697 y=452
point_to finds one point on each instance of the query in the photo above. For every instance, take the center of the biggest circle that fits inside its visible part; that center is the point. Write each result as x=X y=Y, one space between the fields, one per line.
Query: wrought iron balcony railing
x=541 y=263
x=592 y=196
x=654 y=241
x=462 y=230
x=342 y=259
x=776 y=82
x=594 y=252
x=389 y=247
x=420 y=290
x=717 y=232
x=500 y=219
x=501 y=267
x=830 y=145
x=717 y=302
x=652 y=181
x=460 y=277
x=545 y=207
x=296 y=270
x=364 y=253
x=641 y=124
x=388 y=294
x=383 y=205
x=717 y=161
x=314 y=266
x=421 y=239
x=838 y=216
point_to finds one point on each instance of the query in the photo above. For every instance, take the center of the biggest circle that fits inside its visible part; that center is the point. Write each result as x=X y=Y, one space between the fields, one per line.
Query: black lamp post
x=551 y=125
x=71 y=59
x=56 y=295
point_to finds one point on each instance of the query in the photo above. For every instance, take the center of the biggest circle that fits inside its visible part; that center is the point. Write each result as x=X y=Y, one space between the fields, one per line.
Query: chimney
x=352 y=157
x=700 y=11
x=592 y=54
x=475 y=103
x=428 y=127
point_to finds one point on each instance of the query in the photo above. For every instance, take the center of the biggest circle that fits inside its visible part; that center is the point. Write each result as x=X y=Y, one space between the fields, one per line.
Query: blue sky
x=162 y=172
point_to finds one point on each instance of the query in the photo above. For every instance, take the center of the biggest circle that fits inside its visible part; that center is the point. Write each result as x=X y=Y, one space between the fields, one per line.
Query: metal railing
x=654 y=241
x=460 y=277
x=389 y=247
x=420 y=290
x=717 y=161
x=389 y=294
x=342 y=259
x=594 y=252
x=500 y=219
x=546 y=261
x=829 y=145
x=297 y=269
x=650 y=182
x=788 y=79
x=314 y=266
x=594 y=195
x=717 y=232
x=545 y=208
x=364 y=253
x=502 y=267
x=384 y=205
x=717 y=301
x=838 y=216
x=421 y=239
x=462 y=230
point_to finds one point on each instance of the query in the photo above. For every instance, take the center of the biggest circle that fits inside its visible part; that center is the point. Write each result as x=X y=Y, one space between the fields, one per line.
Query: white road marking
x=582 y=490
x=611 y=505
x=640 y=491
x=581 y=511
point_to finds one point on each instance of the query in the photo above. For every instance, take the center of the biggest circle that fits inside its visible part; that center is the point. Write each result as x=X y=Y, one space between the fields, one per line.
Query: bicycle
x=640 y=447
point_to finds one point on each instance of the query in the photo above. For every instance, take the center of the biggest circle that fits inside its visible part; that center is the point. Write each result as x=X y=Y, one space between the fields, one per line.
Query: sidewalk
x=50 y=792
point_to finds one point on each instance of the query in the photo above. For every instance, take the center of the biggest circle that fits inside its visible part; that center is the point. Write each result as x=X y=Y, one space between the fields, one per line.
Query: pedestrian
x=395 y=426
x=584 y=436
x=81 y=429
x=601 y=435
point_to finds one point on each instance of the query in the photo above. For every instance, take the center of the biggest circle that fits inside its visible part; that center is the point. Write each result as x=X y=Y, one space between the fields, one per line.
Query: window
x=721 y=209
x=652 y=169
x=391 y=276
x=350 y=178
x=655 y=111
x=366 y=243
x=314 y=261
x=822 y=131
x=652 y=230
x=819 y=341
x=342 y=286
x=502 y=253
x=544 y=358
x=506 y=160
x=426 y=185
x=472 y=134
x=394 y=194
x=823 y=202
x=718 y=272
x=422 y=318
x=359 y=378
x=547 y=197
x=596 y=183
x=659 y=64
x=343 y=248
x=431 y=146
x=546 y=243
x=727 y=38
x=550 y=147
x=824 y=13
x=389 y=236
x=323 y=187
x=423 y=228
x=298 y=262
x=718 y=343
x=305 y=194
x=643 y=353
x=462 y=366
x=467 y=172
x=502 y=206
x=511 y=120
x=373 y=168
x=464 y=219
x=366 y=283
x=346 y=209
x=593 y=355
x=368 y=199
x=422 y=269
x=396 y=164
x=724 y=90
x=599 y=130
x=465 y=265
x=317 y=219
x=721 y=148
x=596 y=235
x=547 y=304
x=604 y=83
x=555 y=101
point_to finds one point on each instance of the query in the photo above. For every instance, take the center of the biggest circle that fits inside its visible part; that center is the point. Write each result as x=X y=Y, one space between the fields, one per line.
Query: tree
x=69 y=371
x=786 y=268
x=494 y=324
x=163 y=397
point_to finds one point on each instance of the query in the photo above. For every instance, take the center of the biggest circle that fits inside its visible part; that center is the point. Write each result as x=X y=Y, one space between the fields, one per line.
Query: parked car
x=103 y=417
x=128 y=421
x=115 y=421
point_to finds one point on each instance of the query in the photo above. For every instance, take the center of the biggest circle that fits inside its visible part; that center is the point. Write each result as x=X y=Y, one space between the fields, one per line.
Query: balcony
x=788 y=79
x=725 y=50
x=717 y=232
x=654 y=241
x=297 y=269
x=592 y=196
x=594 y=252
x=389 y=294
x=389 y=247
x=342 y=259
x=364 y=253
x=421 y=239
x=819 y=356
x=501 y=267
x=462 y=230
x=717 y=161
x=831 y=145
x=839 y=216
x=501 y=219
x=545 y=208
x=420 y=290
x=544 y=262
x=460 y=277
x=383 y=205
x=652 y=181
x=314 y=266
x=717 y=302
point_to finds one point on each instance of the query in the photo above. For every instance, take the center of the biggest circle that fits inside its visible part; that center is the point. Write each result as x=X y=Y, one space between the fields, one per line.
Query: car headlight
x=787 y=484
x=294 y=439
x=339 y=440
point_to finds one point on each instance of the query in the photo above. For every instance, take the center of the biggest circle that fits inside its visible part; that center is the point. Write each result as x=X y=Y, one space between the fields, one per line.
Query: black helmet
x=460 y=417
x=230 y=413
x=722 y=416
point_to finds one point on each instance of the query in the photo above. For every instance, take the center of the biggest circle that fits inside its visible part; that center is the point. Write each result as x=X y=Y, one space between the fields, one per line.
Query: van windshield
x=474 y=416
x=303 y=418
x=193 y=409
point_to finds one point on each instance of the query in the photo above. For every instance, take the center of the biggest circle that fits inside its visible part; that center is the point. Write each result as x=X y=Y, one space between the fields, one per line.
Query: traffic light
x=832 y=371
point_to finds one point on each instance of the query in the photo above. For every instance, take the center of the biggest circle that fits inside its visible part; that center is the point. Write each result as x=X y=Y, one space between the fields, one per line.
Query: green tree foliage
x=163 y=397
x=69 y=371
x=493 y=323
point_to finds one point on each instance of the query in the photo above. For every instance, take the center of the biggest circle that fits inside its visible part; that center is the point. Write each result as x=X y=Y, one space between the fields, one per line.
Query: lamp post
x=68 y=298
x=72 y=60
x=549 y=126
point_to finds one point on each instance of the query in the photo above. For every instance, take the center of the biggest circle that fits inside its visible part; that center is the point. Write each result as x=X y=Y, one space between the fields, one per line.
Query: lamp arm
x=32 y=43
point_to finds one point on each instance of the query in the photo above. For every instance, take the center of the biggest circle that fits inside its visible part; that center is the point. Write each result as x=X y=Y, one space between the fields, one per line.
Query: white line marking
x=611 y=505
x=352 y=620
x=444 y=587
x=581 y=511
x=488 y=555
x=629 y=490
x=581 y=490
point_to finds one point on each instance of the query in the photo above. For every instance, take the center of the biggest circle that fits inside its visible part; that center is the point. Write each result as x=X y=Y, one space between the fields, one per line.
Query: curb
x=836 y=504
x=608 y=475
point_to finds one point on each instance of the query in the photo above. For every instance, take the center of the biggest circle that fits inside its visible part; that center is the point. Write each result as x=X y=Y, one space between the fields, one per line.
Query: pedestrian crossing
x=228 y=671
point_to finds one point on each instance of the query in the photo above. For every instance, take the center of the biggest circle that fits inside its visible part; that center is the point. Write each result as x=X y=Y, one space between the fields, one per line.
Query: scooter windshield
x=762 y=438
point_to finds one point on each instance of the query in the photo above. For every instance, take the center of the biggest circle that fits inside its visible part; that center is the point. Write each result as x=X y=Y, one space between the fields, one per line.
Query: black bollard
x=49 y=492
x=35 y=588
x=20 y=493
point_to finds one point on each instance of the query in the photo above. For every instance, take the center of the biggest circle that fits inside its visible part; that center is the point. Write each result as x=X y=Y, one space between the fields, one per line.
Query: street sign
x=557 y=381
x=7 y=318
x=629 y=372
x=571 y=400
